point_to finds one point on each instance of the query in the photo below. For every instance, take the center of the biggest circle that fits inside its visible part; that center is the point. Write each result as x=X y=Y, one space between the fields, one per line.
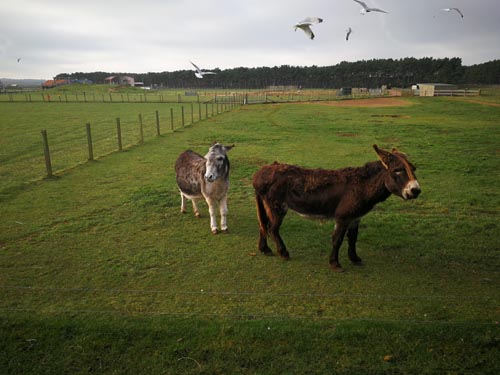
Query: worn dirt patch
x=347 y=135
x=375 y=102
x=392 y=116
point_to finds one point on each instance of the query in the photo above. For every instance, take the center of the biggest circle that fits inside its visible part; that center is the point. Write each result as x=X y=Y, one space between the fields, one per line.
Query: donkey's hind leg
x=195 y=208
x=275 y=215
x=183 y=203
x=274 y=228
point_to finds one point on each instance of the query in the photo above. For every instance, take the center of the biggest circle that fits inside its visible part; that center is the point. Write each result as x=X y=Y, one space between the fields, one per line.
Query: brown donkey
x=344 y=195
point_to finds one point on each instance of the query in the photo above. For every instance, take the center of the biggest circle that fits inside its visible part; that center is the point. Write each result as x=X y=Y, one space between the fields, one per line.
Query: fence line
x=247 y=293
x=465 y=92
x=249 y=97
x=237 y=310
x=156 y=97
x=119 y=138
x=250 y=316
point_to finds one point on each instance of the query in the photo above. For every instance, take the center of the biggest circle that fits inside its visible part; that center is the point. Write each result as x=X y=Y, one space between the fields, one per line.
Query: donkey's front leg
x=223 y=213
x=352 y=236
x=212 y=209
x=337 y=238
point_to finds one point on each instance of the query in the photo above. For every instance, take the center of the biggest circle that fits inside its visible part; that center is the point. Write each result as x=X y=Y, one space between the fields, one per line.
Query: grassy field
x=100 y=273
x=22 y=159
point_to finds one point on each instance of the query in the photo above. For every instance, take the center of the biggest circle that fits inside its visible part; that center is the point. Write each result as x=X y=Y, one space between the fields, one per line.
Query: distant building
x=432 y=89
x=54 y=83
x=120 y=80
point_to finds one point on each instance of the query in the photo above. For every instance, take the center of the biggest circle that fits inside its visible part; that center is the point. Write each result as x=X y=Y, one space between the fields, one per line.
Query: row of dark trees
x=365 y=73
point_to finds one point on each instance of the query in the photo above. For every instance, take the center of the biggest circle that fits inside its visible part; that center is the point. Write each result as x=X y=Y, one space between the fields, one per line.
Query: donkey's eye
x=398 y=172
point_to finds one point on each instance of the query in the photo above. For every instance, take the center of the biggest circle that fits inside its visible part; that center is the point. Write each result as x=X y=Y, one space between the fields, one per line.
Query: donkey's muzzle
x=412 y=190
x=210 y=178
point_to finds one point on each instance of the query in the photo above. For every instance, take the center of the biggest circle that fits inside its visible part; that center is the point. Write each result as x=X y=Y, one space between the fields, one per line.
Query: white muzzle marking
x=411 y=190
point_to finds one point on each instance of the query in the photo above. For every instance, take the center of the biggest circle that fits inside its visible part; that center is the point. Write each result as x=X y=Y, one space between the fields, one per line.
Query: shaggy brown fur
x=206 y=178
x=344 y=195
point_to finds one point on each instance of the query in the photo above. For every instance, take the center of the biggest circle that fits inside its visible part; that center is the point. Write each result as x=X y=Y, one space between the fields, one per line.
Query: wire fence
x=117 y=97
x=241 y=97
x=61 y=150
x=31 y=152
x=235 y=305
x=186 y=118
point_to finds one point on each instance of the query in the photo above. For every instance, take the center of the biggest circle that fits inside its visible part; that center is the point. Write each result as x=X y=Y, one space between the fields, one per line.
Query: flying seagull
x=349 y=31
x=306 y=23
x=198 y=73
x=367 y=9
x=455 y=9
x=18 y=59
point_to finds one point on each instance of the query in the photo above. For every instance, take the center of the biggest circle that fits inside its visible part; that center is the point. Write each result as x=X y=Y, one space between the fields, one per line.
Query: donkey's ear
x=384 y=156
x=227 y=148
x=395 y=151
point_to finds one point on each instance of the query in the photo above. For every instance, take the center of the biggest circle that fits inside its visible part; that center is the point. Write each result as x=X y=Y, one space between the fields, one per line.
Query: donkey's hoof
x=225 y=231
x=285 y=256
x=197 y=214
x=336 y=268
x=215 y=231
x=267 y=252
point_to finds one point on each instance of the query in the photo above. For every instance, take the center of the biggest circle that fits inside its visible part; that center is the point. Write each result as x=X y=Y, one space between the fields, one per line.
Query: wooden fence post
x=172 y=119
x=206 y=110
x=199 y=111
x=141 y=130
x=157 y=124
x=46 y=152
x=89 y=141
x=192 y=115
x=119 y=133
x=182 y=111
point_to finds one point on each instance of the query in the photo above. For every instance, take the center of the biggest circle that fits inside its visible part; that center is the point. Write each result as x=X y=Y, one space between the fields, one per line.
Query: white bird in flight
x=18 y=59
x=367 y=9
x=306 y=23
x=455 y=9
x=198 y=72
x=349 y=31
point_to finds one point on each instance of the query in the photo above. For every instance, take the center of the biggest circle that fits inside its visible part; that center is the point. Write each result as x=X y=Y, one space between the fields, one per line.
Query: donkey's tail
x=262 y=216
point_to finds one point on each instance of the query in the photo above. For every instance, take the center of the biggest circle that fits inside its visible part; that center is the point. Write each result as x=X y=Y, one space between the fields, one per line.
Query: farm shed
x=122 y=80
x=434 y=89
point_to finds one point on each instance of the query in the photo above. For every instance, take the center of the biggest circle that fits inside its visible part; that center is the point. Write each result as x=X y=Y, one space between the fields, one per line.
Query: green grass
x=101 y=273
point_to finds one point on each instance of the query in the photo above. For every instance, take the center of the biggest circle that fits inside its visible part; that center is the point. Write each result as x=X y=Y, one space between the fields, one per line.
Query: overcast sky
x=67 y=36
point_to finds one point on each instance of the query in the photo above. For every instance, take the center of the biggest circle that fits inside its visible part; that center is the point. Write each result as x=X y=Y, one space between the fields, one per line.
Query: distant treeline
x=365 y=73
